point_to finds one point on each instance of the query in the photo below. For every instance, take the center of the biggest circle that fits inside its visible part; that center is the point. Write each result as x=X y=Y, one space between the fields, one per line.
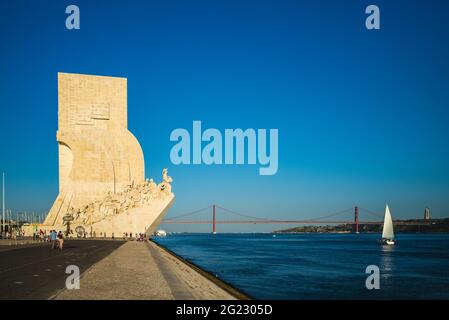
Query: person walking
x=60 y=240
x=53 y=239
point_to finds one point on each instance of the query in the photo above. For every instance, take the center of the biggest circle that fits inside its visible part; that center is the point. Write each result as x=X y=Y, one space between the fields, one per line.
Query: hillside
x=432 y=226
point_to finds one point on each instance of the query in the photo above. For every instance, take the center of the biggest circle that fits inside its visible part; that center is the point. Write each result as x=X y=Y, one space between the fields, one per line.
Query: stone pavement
x=8 y=244
x=35 y=271
x=140 y=270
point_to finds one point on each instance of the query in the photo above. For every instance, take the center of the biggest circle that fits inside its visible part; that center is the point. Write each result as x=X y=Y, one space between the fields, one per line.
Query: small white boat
x=387 y=232
x=160 y=233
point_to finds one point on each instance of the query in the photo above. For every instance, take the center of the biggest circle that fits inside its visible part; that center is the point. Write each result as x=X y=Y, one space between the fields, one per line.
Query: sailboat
x=387 y=232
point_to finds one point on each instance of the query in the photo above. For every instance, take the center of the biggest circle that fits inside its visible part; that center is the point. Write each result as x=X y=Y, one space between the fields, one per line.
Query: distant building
x=426 y=214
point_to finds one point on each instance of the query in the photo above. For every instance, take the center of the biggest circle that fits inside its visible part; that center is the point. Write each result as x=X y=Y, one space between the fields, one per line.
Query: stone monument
x=102 y=184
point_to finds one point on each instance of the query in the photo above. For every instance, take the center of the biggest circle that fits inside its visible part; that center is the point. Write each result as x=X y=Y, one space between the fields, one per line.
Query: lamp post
x=3 y=208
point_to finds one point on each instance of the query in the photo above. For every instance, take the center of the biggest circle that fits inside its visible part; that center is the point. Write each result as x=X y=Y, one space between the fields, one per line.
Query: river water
x=321 y=266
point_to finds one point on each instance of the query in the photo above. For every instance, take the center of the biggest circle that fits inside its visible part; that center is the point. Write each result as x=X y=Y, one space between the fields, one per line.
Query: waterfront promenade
x=143 y=271
x=34 y=271
x=109 y=270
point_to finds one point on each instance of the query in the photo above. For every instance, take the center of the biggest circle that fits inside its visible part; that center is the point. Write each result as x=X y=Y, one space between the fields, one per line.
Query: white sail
x=387 y=232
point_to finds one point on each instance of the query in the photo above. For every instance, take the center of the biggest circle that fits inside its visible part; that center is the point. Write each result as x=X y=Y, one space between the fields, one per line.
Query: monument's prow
x=102 y=185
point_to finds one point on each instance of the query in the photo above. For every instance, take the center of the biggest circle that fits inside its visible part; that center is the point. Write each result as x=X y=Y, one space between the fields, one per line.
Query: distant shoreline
x=352 y=232
x=420 y=226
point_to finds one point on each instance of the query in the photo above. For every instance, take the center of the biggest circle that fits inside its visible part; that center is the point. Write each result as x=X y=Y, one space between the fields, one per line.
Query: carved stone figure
x=165 y=186
x=165 y=177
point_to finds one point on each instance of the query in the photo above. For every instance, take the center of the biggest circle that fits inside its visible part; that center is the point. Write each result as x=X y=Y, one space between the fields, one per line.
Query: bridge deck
x=287 y=222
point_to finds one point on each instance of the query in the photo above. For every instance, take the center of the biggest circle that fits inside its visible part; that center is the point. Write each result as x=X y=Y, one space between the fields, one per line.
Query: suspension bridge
x=328 y=219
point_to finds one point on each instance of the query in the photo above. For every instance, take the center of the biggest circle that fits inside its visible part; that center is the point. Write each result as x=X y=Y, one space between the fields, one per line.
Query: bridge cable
x=378 y=215
x=188 y=214
x=243 y=215
x=335 y=214
x=266 y=219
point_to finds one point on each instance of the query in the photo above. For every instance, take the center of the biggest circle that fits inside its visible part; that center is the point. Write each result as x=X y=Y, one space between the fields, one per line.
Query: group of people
x=57 y=240
x=55 y=237
x=138 y=236
x=14 y=234
x=40 y=236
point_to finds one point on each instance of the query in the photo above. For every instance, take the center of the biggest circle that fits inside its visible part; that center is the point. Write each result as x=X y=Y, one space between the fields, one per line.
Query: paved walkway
x=139 y=270
x=35 y=271
x=6 y=244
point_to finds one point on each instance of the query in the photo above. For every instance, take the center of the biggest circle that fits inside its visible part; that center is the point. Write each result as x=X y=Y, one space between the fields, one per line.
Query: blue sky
x=362 y=115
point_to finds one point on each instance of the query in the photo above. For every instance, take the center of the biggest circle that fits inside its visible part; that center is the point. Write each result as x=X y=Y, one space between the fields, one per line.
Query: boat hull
x=387 y=242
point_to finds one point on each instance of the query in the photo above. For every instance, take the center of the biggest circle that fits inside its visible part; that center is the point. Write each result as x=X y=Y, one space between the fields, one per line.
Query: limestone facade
x=102 y=182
